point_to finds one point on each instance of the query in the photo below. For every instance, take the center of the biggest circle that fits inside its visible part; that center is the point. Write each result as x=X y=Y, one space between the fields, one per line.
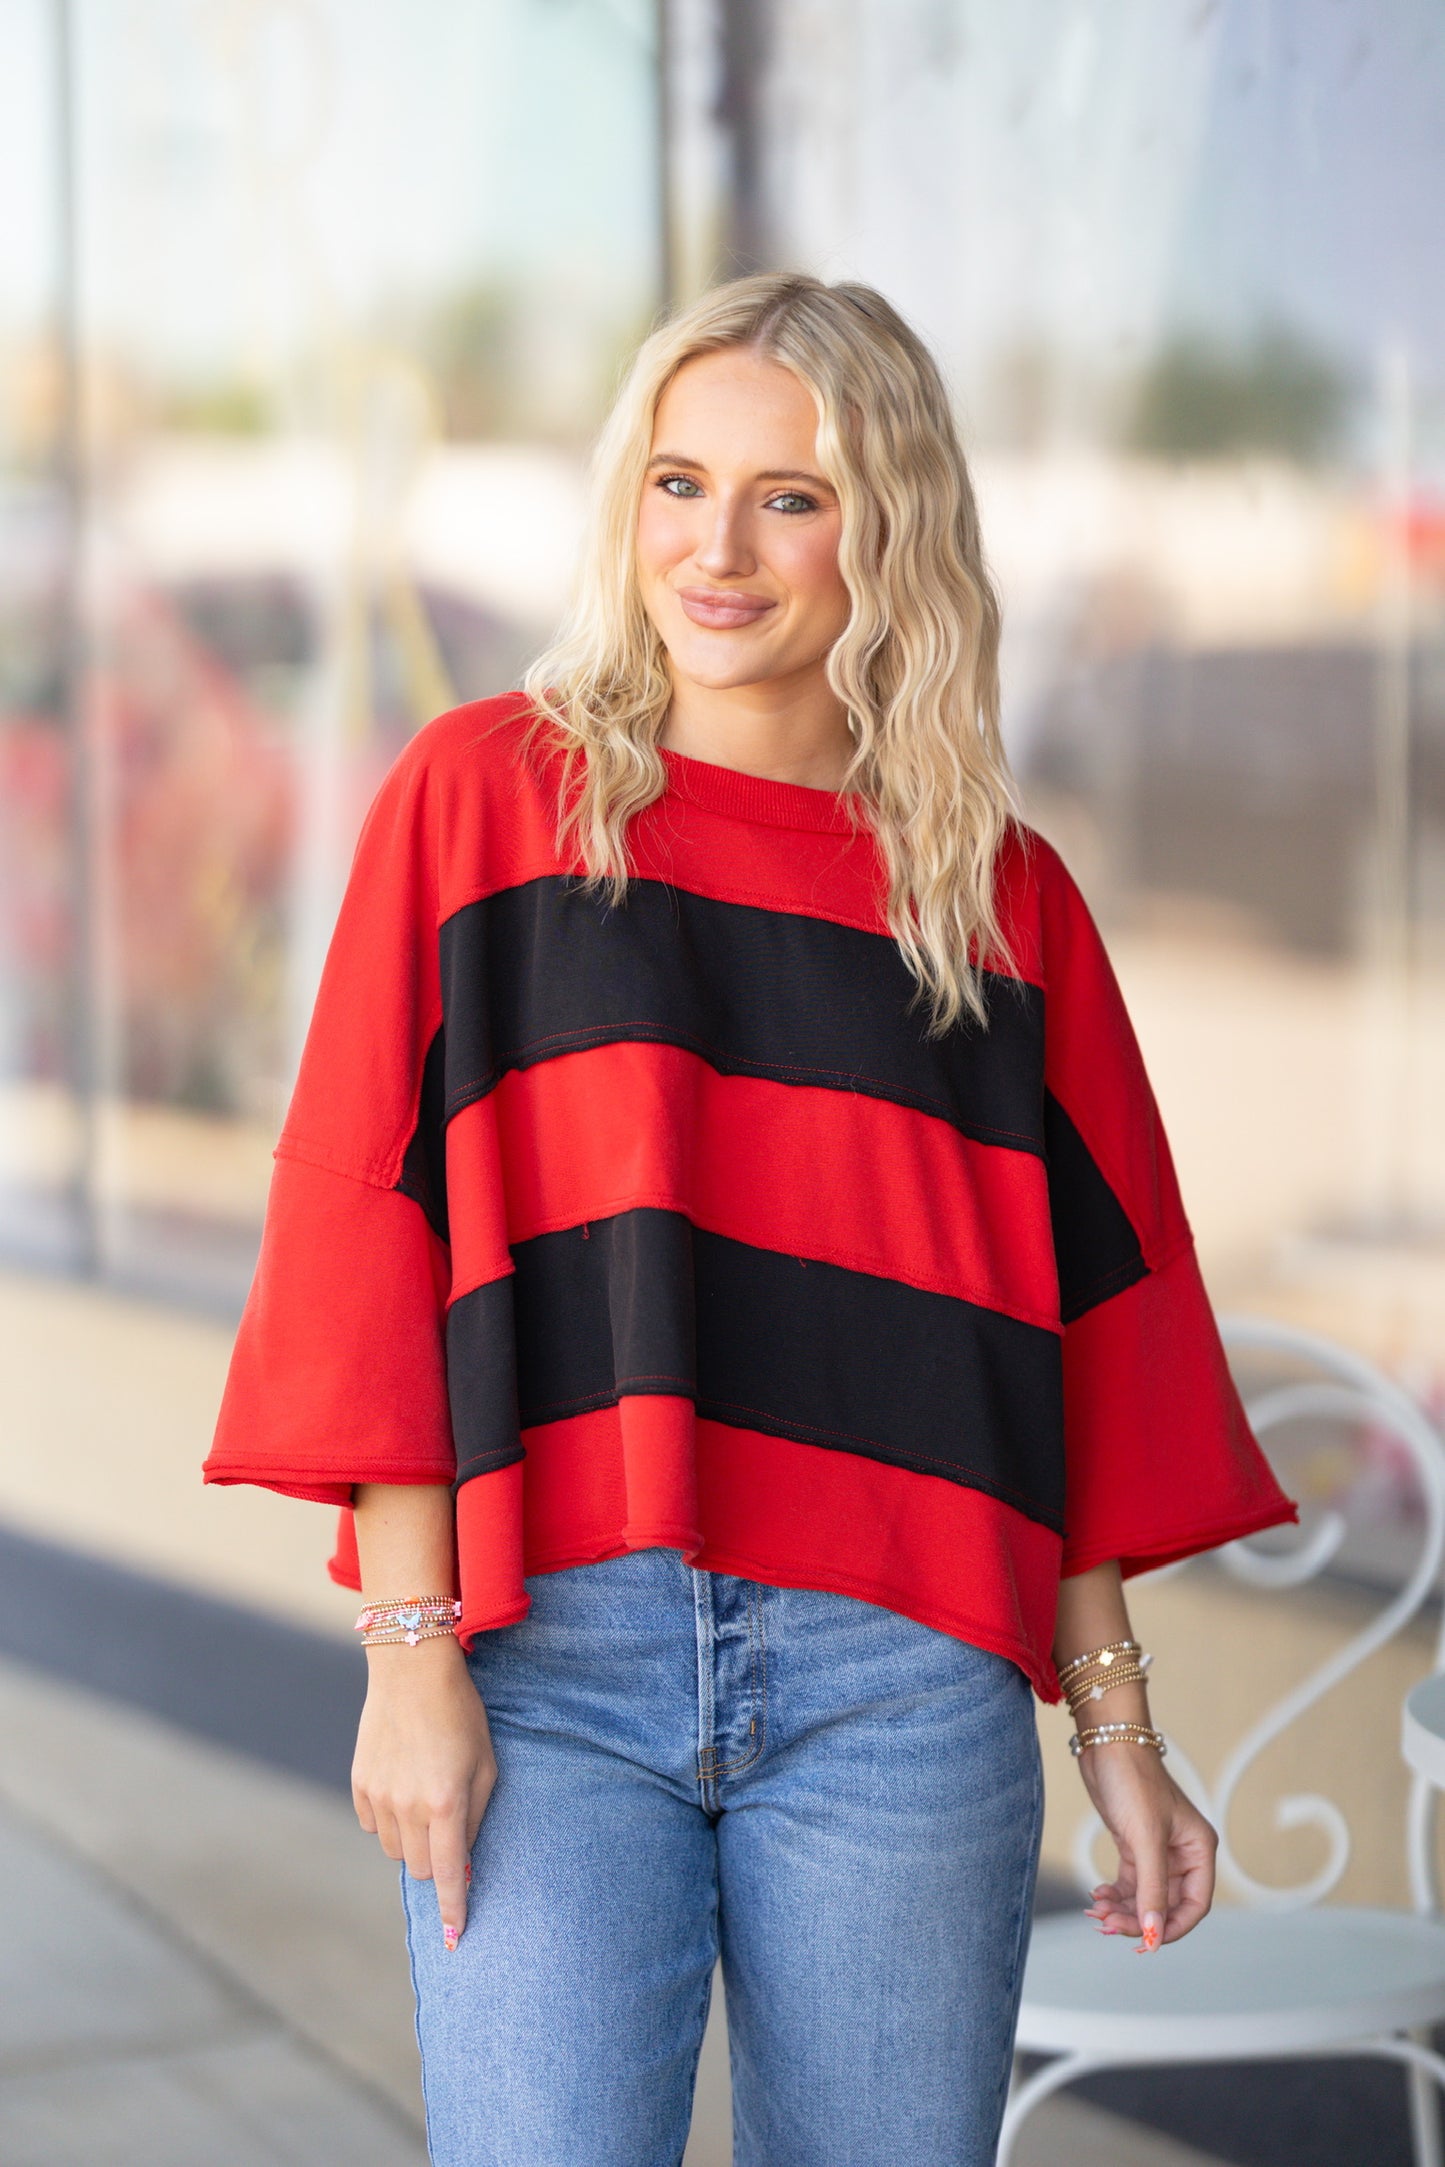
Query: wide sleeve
x=1160 y=1460
x=338 y=1374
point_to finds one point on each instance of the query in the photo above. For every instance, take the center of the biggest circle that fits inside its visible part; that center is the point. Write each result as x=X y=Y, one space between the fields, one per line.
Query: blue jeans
x=843 y=1804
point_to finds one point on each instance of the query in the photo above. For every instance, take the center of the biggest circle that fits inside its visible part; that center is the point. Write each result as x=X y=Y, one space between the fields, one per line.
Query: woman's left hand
x=1166 y=1847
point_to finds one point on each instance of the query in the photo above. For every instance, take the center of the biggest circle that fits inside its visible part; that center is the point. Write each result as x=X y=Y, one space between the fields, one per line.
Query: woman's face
x=737 y=531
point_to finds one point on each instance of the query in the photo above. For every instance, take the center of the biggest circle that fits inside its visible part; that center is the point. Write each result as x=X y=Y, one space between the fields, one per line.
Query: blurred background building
x=308 y=312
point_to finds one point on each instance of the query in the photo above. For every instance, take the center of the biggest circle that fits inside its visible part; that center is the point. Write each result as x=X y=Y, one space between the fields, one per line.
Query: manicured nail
x=450 y=1936
x=1153 y=1928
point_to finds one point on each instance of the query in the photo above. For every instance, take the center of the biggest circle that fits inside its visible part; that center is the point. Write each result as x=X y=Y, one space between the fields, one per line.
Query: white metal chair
x=1270 y=1976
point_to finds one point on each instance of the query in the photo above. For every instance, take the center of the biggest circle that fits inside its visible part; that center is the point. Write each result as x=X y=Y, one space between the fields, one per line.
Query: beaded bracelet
x=1118 y=1734
x=1091 y=1689
x=408 y=1618
x=396 y=1640
x=1106 y=1656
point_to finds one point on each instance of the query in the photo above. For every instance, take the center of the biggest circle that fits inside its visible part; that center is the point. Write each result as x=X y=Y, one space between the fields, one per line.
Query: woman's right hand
x=424 y=1766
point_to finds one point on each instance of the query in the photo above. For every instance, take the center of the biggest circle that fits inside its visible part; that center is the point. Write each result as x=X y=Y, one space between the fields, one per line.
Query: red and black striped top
x=668 y=1224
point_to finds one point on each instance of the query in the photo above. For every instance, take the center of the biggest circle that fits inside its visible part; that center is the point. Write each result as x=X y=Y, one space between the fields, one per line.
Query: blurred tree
x=1199 y=399
x=469 y=345
x=228 y=406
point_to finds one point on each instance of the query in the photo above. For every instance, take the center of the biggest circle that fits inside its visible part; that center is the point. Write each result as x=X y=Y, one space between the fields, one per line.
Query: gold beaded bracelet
x=1106 y=1656
x=1118 y=1734
x=408 y=1639
x=1094 y=1688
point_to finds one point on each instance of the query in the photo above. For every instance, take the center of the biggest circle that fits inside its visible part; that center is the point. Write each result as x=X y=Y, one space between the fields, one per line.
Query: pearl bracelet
x=1118 y=1734
x=1113 y=1652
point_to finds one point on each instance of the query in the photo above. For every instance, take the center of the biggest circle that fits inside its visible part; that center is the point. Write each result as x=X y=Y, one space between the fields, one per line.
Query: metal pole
x=741 y=36
x=662 y=94
x=1393 y=943
x=81 y=1047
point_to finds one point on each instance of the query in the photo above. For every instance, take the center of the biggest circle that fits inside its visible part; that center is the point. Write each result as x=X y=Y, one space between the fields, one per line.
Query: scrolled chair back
x=1338 y=1391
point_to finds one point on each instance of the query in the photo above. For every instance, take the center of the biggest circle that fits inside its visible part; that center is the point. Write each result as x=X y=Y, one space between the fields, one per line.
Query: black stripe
x=482 y=1379
x=424 y=1167
x=545 y=969
x=1095 y=1245
x=646 y=1303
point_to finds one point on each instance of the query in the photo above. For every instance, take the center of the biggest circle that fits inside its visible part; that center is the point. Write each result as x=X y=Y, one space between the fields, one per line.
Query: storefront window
x=1182 y=264
x=325 y=300
x=299 y=360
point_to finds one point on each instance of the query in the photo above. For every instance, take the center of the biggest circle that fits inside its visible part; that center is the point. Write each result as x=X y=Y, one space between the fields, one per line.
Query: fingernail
x=1153 y=1928
x=450 y=1936
x=469 y=1873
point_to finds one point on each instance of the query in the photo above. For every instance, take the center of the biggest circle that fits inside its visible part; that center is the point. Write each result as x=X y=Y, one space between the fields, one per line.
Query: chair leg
x=1427 y=2076
x=1426 y=2070
x=1023 y=2098
x=1424 y=2112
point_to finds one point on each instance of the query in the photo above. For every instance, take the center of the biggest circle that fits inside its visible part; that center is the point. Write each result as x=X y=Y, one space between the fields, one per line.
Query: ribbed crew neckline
x=758 y=798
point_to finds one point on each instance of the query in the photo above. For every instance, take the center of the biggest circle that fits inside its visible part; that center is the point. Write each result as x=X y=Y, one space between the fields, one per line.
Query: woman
x=724 y=1259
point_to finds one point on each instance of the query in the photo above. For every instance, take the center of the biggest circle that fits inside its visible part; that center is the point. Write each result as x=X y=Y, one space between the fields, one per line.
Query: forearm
x=405 y=1539
x=406 y=1547
x=1165 y=1881
x=1092 y=1613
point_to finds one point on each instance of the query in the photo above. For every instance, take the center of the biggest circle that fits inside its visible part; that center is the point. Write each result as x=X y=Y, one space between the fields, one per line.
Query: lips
x=722 y=612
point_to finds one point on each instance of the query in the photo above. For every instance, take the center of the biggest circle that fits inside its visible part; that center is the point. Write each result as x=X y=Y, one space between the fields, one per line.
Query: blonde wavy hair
x=916 y=667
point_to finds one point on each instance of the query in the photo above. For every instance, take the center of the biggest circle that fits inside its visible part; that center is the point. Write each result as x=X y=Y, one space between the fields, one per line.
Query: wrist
x=395 y=1660
x=1102 y=1769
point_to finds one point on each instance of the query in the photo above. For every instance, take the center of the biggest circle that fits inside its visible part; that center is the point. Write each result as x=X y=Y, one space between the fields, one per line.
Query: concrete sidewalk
x=202 y=1959
x=196 y=1964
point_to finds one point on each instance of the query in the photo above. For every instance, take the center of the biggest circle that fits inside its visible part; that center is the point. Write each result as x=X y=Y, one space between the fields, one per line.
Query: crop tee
x=667 y=1223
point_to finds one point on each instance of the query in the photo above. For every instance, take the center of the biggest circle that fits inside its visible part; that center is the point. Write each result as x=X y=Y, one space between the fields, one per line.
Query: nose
x=726 y=550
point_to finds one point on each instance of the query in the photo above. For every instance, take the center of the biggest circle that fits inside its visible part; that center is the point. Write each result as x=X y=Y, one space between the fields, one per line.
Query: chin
x=718 y=672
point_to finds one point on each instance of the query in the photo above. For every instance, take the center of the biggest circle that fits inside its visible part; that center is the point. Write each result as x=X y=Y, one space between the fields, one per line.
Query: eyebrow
x=773 y=474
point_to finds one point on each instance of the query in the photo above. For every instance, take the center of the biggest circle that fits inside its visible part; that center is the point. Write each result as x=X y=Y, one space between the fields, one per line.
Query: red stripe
x=647 y=1473
x=1096 y=1070
x=1162 y=1460
x=338 y=1373
x=829 y=1175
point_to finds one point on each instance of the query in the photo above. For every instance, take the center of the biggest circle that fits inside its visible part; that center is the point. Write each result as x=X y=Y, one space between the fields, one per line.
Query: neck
x=779 y=729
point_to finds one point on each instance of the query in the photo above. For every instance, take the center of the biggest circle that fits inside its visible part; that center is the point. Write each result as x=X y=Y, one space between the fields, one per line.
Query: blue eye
x=665 y=481
x=799 y=503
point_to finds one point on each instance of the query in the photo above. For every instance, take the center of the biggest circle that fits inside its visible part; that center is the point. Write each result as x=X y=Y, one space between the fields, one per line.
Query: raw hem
x=708 y=1559
x=469 y=1628
x=320 y=1485
x=961 y=1628
x=1147 y=1554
